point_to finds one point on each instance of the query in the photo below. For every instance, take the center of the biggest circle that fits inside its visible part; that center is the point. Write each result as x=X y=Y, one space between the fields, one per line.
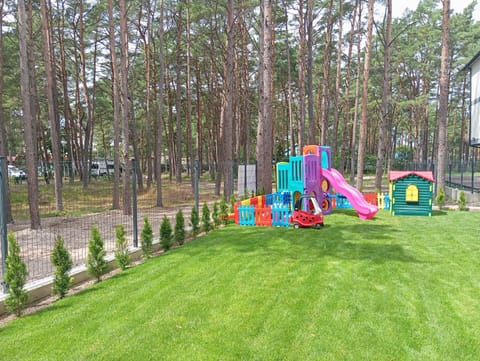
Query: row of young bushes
x=16 y=270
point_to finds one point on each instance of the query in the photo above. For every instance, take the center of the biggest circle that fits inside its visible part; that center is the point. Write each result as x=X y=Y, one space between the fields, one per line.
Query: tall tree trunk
x=226 y=132
x=52 y=101
x=188 y=101
x=265 y=124
x=443 y=98
x=146 y=37
x=245 y=88
x=199 y=105
x=28 y=102
x=159 y=119
x=116 y=108
x=289 y=87
x=3 y=133
x=170 y=133
x=127 y=194
x=302 y=45
x=385 y=98
x=346 y=114
x=68 y=114
x=178 y=101
x=353 y=148
x=364 y=118
x=310 y=98
x=87 y=140
x=136 y=152
x=336 y=110
x=326 y=76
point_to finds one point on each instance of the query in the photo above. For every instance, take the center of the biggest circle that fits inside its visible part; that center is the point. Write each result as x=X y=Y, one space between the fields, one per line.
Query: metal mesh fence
x=462 y=175
x=89 y=207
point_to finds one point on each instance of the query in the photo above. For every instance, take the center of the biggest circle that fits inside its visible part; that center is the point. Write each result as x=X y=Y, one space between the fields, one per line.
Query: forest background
x=172 y=82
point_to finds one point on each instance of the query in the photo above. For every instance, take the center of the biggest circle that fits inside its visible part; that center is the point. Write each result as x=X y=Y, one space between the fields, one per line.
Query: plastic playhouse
x=411 y=193
x=309 y=175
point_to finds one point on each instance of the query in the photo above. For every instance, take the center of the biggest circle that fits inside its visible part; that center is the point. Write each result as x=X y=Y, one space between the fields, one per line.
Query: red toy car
x=307 y=212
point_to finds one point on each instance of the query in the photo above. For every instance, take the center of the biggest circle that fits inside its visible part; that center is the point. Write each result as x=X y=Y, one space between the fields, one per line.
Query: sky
x=399 y=6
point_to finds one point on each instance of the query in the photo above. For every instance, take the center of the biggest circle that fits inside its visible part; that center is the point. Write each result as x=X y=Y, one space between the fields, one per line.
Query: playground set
x=304 y=194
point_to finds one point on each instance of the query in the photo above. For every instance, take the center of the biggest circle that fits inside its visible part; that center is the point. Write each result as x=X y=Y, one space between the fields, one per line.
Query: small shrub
x=96 y=263
x=179 y=235
x=215 y=215
x=15 y=276
x=147 y=238
x=223 y=210
x=462 y=201
x=195 y=221
x=206 y=225
x=232 y=203
x=62 y=262
x=440 y=199
x=121 y=248
x=166 y=234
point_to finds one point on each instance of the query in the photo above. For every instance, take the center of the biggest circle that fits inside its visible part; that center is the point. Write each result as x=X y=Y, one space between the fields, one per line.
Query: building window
x=411 y=195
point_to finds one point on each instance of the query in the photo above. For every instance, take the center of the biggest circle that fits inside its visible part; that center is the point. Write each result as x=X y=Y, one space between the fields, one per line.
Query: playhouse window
x=412 y=193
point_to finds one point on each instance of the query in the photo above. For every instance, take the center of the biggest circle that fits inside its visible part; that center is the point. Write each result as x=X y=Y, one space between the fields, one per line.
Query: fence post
x=473 y=172
x=232 y=179
x=3 y=219
x=134 y=203
x=195 y=182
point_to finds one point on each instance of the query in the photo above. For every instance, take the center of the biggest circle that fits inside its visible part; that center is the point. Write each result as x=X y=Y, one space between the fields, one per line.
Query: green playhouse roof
x=399 y=174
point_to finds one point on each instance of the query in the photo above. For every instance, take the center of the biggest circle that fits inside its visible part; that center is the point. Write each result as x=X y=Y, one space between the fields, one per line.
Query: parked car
x=100 y=167
x=17 y=174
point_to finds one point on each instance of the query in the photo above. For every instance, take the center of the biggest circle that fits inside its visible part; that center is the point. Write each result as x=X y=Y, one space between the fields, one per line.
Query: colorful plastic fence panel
x=386 y=200
x=277 y=197
x=246 y=215
x=286 y=198
x=269 y=199
x=263 y=216
x=281 y=215
x=371 y=198
x=342 y=201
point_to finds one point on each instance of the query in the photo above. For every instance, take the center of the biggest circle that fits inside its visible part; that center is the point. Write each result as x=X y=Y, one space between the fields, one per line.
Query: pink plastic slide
x=364 y=209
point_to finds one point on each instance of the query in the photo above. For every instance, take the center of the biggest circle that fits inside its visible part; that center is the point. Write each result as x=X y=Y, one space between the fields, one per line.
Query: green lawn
x=392 y=288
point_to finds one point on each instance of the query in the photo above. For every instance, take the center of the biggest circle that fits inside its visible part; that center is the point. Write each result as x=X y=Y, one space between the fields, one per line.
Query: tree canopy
x=193 y=73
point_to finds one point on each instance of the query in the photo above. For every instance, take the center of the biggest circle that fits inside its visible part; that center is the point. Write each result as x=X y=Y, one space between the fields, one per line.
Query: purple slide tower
x=312 y=174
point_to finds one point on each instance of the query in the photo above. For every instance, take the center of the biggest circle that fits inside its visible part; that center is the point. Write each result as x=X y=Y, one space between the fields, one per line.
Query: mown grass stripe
x=396 y=288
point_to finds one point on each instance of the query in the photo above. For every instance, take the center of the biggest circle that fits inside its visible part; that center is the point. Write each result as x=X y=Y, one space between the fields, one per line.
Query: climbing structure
x=310 y=173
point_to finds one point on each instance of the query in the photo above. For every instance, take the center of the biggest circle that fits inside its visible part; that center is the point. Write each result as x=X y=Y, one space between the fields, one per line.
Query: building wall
x=425 y=191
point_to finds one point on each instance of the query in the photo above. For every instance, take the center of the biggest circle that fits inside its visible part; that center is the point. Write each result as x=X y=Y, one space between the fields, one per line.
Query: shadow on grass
x=439 y=213
x=360 y=241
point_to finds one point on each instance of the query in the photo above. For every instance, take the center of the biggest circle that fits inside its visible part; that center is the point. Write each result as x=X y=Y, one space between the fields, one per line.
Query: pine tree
x=223 y=210
x=206 y=224
x=121 y=248
x=63 y=264
x=96 y=263
x=166 y=234
x=232 y=203
x=179 y=234
x=147 y=238
x=462 y=201
x=440 y=199
x=15 y=276
x=215 y=215
x=195 y=221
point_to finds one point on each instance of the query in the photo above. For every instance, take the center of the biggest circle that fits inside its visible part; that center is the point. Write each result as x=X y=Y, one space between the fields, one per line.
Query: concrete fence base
x=454 y=194
x=41 y=289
